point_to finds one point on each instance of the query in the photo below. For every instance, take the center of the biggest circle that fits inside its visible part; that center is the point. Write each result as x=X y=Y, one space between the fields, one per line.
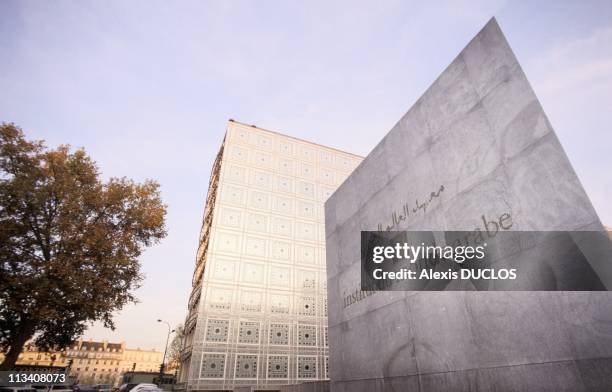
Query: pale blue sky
x=147 y=87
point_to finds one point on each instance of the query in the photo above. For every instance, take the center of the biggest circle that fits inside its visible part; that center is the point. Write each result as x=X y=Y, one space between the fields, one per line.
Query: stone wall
x=479 y=134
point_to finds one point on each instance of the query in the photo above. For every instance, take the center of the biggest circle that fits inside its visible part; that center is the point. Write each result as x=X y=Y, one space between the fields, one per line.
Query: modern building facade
x=257 y=314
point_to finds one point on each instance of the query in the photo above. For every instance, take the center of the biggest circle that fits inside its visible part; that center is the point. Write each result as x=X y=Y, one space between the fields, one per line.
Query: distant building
x=257 y=314
x=32 y=356
x=145 y=360
x=94 y=362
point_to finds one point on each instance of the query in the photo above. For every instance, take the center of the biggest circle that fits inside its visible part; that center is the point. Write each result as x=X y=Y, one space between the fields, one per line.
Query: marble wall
x=479 y=138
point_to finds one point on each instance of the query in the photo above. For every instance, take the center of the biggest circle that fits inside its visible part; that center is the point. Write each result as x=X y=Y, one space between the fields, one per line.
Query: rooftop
x=292 y=137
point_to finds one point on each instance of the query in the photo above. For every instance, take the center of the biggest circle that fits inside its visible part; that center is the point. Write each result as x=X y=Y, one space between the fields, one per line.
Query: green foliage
x=69 y=242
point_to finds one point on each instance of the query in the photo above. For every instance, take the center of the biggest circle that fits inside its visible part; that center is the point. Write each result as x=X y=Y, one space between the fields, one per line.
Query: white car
x=17 y=389
x=60 y=388
x=142 y=387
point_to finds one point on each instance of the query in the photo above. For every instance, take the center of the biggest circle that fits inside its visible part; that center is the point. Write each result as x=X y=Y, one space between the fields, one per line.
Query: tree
x=69 y=242
x=174 y=352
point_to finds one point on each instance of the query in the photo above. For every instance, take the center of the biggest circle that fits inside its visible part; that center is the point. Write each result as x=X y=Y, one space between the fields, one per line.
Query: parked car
x=127 y=387
x=142 y=387
x=103 y=387
x=83 y=388
x=60 y=388
x=17 y=389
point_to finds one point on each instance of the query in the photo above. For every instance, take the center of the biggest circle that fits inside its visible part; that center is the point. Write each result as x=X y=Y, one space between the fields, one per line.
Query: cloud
x=576 y=64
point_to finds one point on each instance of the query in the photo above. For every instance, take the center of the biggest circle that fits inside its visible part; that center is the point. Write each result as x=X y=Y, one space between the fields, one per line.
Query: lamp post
x=161 y=367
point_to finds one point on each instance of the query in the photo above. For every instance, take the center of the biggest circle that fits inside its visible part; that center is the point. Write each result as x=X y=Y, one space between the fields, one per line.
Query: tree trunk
x=26 y=331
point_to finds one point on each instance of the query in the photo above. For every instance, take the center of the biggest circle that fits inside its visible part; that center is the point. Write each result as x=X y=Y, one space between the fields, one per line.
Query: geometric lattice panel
x=305 y=254
x=235 y=174
x=246 y=366
x=228 y=242
x=213 y=365
x=307 y=280
x=280 y=276
x=306 y=189
x=326 y=159
x=230 y=217
x=283 y=205
x=285 y=166
x=251 y=301
x=261 y=141
x=260 y=179
x=305 y=231
x=248 y=332
x=306 y=153
x=307 y=335
x=224 y=269
x=220 y=299
x=306 y=306
x=307 y=367
x=325 y=193
x=327 y=176
x=286 y=148
x=326 y=367
x=257 y=222
x=261 y=159
x=217 y=330
x=259 y=200
x=234 y=195
x=281 y=226
x=284 y=184
x=281 y=250
x=280 y=304
x=239 y=154
x=252 y=273
x=255 y=246
x=306 y=209
x=279 y=334
x=278 y=366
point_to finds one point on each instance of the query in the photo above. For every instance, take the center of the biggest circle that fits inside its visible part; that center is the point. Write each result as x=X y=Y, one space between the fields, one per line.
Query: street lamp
x=161 y=367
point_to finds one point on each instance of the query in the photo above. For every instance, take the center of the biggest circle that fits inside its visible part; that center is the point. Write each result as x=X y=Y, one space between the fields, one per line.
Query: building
x=257 y=314
x=93 y=362
x=32 y=356
x=142 y=360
